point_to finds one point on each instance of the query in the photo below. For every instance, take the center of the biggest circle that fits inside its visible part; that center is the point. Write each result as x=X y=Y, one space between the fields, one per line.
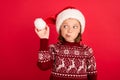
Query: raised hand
x=44 y=33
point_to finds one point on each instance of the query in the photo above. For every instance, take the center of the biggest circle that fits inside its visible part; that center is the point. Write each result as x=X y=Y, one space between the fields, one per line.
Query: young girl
x=68 y=59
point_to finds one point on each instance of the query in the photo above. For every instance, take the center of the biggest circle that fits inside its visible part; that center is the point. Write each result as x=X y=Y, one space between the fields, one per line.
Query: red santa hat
x=70 y=13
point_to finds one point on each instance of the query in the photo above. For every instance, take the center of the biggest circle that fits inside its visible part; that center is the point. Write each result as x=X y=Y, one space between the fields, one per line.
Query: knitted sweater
x=67 y=61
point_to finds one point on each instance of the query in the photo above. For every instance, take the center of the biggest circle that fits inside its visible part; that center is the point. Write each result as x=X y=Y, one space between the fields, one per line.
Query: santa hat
x=70 y=13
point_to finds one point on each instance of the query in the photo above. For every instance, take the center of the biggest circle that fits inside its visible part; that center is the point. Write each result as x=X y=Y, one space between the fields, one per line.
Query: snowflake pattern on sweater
x=76 y=61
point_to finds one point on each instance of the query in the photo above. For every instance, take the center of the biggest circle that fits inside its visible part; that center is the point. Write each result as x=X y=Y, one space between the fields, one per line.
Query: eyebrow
x=73 y=24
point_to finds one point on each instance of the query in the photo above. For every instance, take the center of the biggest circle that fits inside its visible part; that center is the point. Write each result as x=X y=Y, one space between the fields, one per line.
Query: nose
x=70 y=30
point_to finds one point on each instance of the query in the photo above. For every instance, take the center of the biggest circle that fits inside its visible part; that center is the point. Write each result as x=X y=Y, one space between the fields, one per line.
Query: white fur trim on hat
x=70 y=13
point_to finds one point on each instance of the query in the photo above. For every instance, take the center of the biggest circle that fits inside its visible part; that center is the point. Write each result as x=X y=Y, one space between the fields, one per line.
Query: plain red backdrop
x=19 y=44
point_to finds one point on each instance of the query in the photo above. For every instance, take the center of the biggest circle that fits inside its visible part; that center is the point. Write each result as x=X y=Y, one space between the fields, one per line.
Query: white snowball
x=39 y=23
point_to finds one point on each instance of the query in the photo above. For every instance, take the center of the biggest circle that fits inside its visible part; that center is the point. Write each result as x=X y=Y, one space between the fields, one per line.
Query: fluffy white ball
x=39 y=23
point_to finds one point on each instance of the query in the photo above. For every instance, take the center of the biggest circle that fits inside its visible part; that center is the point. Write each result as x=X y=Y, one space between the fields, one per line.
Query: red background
x=19 y=43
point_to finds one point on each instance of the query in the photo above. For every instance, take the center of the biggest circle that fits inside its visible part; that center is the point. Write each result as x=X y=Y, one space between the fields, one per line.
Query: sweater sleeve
x=91 y=66
x=44 y=56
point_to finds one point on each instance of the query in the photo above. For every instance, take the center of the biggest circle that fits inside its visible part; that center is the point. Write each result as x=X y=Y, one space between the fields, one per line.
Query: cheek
x=63 y=33
x=76 y=33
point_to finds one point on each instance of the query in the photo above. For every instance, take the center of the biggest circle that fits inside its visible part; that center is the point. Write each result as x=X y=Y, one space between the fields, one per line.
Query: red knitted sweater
x=67 y=61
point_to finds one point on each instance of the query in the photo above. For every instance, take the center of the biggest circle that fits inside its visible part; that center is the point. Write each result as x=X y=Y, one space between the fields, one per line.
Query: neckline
x=71 y=43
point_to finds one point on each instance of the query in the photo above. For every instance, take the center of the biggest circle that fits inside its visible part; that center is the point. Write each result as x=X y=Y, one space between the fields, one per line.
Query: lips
x=68 y=35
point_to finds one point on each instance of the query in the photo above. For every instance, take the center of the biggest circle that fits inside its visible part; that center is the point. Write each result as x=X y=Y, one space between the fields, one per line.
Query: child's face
x=70 y=29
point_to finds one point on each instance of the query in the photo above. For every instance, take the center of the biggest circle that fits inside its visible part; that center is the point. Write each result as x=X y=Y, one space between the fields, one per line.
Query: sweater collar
x=71 y=43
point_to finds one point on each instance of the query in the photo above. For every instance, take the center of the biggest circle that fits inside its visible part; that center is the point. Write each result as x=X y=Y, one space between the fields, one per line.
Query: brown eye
x=65 y=26
x=75 y=27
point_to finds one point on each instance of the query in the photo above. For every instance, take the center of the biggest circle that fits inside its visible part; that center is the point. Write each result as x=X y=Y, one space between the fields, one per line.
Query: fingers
x=36 y=30
x=44 y=33
x=47 y=28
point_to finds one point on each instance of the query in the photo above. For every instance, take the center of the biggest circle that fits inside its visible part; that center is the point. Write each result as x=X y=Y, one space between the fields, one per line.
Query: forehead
x=71 y=20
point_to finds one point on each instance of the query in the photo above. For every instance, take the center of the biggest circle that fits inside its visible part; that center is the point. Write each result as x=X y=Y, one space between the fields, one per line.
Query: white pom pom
x=39 y=23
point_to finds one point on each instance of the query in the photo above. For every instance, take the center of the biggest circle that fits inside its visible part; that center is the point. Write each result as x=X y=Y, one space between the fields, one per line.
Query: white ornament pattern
x=70 y=61
x=43 y=56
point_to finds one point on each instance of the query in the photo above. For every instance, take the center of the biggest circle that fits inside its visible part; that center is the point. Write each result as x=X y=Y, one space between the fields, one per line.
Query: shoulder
x=55 y=47
x=87 y=50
